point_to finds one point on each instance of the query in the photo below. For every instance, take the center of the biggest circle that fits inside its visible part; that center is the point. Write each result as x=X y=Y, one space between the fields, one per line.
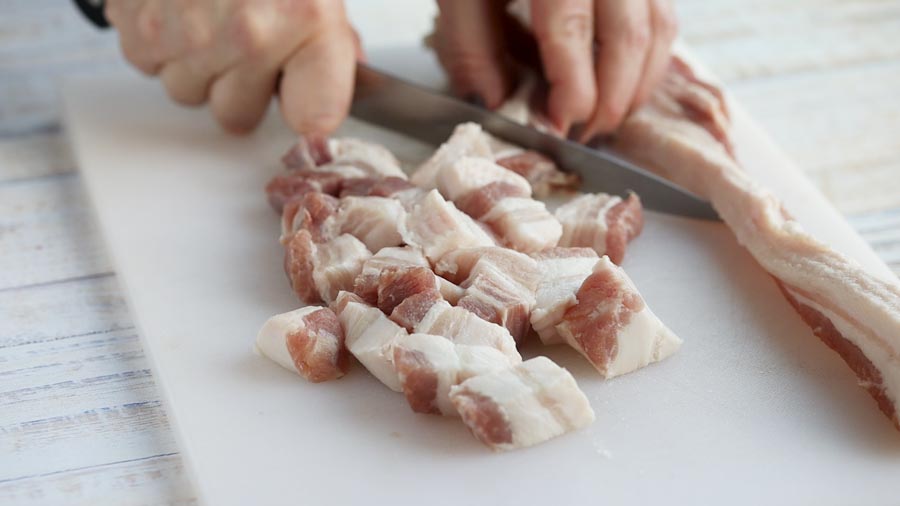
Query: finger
x=124 y=15
x=470 y=47
x=185 y=83
x=239 y=98
x=317 y=82
x=623 y=36
x=564 y=31
x=664 y=26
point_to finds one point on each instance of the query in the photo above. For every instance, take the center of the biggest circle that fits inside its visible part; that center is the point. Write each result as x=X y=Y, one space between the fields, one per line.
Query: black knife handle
x=93 y=10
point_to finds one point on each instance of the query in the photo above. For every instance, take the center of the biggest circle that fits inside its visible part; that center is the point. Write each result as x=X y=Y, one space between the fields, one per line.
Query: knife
x=431 y=116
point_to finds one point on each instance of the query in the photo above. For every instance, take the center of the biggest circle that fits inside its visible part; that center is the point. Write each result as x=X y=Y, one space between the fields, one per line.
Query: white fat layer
x=524 y=224
x=452 y=363
x=583 y=221
x=336 y=265
x=437 y=227
x=376 y=221
x=451 y=292
x=369 y=336
x=271 y=341
x=561 y=277
x=538 y=399
x=464 y=327
x=471 y=173
x=374 y=156
x=887 y=366
x=641 y=342
x=467 y=140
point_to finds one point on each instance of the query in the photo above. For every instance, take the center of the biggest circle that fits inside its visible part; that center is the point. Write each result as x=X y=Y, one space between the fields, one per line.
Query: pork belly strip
x=429 y=365
x=606 y=223
x=308 y=341
x=612 y=327
x=315 y=152
x=318 y=271
x=522 y=405
x=855 y=312
x=370 y=337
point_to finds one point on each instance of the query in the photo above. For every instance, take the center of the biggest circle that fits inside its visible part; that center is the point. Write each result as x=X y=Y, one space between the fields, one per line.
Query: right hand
x=236 y=54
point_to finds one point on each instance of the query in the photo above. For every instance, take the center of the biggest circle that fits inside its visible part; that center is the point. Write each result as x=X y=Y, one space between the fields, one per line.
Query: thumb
x=468 y=40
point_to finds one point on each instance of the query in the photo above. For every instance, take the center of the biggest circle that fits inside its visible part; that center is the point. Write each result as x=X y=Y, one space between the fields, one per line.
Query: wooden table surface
x=80 y=417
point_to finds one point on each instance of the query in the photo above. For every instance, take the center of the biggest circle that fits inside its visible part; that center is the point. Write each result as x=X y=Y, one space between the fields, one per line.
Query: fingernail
x=475 y=99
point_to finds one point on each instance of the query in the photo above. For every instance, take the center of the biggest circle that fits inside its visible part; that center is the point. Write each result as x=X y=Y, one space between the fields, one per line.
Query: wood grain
x=80 y=417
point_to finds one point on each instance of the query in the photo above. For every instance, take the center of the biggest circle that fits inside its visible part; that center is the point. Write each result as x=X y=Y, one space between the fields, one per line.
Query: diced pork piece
x=480 y=201
x=541 y=172
x=524 y=224
x=316 y=152
x=366 y=284
x=411 y=311
x=612 y=326
x=375 y=187
x=464 y=327
x=313 y=212
x=522 y=405
x=309 y=152
x=396 y=284
x=470 y=173
x=337 y=264
x=467 y=140
x=437 y=227
x=376 y=221
x=291 y=185
x=370 y=337
x=451 y=292
x=562 y=271
x=499 y=285
x=428 y=366
x=603 y=222
x=308 y=341
x=318 y=271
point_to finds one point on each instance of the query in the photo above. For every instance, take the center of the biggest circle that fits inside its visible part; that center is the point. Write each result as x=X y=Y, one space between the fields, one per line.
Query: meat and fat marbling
x=308 y=341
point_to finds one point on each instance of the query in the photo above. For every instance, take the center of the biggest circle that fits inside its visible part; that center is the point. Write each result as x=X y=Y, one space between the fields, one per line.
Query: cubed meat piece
x=467 y=140
x=437 y=227
x=470 y=173
x=308 y=341
x=603 y=222
x=376 y=221
x=428 y=366
x=370 y=337
x=318 y=271
x=465 y=327
x=522 y=405
x=562 y=271
x=523 y=224
x=612 y=326
x=541 y=172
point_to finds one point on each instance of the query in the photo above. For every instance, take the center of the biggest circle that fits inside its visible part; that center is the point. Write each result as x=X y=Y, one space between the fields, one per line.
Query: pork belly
x=376 y=221
x=318 y=271
x=499 y=285
x=522 y=405
x=462 y=326
x=437 y=227
x=428 y=366
x=370 y=337
x=314 y=212
x=562 y=272
x=308 y=341
x=318 y=153
x=612 y=327
x=291 y=185
x=682 y=135
x=603 y=222
x=366 y=283
x=467 y=140
x=524 y=224
x=471 y=173
x=542 y=173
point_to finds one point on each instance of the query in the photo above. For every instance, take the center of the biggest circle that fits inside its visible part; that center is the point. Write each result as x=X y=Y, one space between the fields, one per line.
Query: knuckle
x=635 y=35
x=149 y=22
x=609 y=114
x=313 y=12
x=667 y=24
x=198 y=31
x=573 y=25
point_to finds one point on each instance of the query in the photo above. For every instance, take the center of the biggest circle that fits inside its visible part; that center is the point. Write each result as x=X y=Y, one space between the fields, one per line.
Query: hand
x=235 y=54
x=601 y=58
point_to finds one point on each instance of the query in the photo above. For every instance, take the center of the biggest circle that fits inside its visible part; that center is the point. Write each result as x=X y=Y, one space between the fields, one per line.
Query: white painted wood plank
x=37 y=155
x=153 y=480
x=47 y=232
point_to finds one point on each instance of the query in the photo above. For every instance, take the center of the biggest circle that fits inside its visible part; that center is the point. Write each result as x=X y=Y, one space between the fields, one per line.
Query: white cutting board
x=752 y=410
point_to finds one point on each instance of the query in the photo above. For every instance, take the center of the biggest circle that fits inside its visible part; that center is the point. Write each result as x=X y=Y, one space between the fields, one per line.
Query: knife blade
x=431 y=116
